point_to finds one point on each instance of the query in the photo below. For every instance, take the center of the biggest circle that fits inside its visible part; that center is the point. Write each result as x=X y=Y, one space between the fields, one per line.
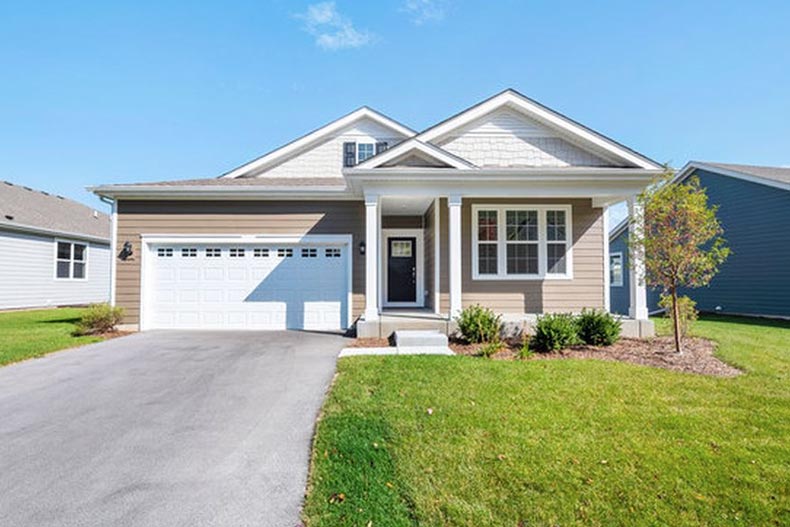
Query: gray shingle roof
x=24 y=207
x=244 y=182
x=775 y=173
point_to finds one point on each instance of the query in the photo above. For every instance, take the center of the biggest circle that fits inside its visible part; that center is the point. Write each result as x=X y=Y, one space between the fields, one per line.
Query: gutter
x=52 y=232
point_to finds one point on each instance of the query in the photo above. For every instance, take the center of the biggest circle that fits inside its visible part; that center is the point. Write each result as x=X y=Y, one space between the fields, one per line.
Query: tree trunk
x=676 y=319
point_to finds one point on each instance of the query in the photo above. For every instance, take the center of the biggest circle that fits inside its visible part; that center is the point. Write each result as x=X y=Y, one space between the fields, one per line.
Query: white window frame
x=71 y=260
x=373 y=151
x=542 y=242
x=612 y=256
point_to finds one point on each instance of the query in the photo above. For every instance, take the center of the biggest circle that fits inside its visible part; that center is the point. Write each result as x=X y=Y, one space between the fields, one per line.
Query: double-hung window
x=365 y=151
x=71 y=260
x=616 y=269
x=521 y=242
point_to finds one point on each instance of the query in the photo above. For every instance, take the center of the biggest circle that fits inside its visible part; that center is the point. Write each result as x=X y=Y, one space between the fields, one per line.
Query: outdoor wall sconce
x=362 y=248
x=126 y=251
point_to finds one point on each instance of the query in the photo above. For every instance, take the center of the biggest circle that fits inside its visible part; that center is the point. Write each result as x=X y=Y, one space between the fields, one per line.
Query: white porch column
x=636 y=269
x=454 y=204
x=371 y=257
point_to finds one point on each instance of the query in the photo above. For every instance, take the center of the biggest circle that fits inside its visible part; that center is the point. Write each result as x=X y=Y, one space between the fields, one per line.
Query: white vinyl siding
x=518 y=242
x=28 y=273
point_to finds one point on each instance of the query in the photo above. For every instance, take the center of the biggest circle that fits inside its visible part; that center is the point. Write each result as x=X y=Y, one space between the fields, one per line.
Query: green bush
x=99 y=318
x=524 y=352
x=687 y=309
x=555 y=331
x=479 y=324
x=490 y=349
x=598 y=328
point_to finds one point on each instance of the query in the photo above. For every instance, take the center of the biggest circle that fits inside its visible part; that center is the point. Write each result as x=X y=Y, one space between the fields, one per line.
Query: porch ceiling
x=405 y=205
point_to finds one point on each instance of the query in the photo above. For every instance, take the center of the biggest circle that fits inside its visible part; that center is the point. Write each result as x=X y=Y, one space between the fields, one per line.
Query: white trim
x=372 y=268
x=607 y=294
x=518 y=102
x=303 y=142
x=419 y=262
x=71 y=259
x=619 y=255
x=113 y=251
x=636 y=269
x=411 y=145
x=149 y=240
x=542 y=242
x=437 y=256
x=454 y=204
x=691 y=166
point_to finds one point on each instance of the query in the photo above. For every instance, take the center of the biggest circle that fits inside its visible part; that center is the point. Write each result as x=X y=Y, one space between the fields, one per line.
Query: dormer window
x=364 y=151
x=355 y=153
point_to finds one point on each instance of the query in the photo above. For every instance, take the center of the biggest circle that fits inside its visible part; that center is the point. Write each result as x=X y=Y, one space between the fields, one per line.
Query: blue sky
x=102 y=92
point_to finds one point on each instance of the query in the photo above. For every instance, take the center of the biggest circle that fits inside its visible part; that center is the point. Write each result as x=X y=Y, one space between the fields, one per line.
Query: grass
x=28 y=334
x=565 y=442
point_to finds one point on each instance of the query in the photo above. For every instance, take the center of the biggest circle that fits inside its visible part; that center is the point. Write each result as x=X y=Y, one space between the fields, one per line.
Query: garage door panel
x=255 y=287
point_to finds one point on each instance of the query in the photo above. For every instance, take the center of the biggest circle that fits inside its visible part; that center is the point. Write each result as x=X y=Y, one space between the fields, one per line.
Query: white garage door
x=271 y=287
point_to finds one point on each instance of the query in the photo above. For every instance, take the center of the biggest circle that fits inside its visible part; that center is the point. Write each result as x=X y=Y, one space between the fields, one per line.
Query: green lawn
x=564 y=442
x=26 y=334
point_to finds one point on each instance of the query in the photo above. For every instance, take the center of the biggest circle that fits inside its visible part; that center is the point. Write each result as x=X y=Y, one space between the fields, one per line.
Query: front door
x=401 y=270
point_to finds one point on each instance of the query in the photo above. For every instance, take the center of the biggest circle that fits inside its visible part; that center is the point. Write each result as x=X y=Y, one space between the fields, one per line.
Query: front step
x=419 y=338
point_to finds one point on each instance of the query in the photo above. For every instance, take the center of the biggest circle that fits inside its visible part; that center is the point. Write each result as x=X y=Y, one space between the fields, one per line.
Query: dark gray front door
x=402 y=270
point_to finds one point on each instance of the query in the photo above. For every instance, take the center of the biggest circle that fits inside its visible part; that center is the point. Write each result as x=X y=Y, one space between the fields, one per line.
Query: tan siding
x=428 y=247
x=519 y=296
x=233 y=217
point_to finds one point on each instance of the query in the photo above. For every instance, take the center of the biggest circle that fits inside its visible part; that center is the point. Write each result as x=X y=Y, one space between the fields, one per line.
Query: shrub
x=99 y=318
x=555 y=331
x=490 y=349
x=479 y=324
x=687 y=311
x=524 y=352
x=598 y=328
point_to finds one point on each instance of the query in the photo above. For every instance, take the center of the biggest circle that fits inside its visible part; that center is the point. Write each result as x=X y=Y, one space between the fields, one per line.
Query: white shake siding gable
x=326 y=158
x=27 y=273
x=505 y=138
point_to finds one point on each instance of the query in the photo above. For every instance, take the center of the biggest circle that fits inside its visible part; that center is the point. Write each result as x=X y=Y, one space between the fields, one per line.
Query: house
x=754 y=209
x=53 y=251
x=368 y=223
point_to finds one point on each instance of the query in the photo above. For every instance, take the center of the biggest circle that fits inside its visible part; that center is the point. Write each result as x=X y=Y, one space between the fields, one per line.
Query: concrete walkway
x=163 y=428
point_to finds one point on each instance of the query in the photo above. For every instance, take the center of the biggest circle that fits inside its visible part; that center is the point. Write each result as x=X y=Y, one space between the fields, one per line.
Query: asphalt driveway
x=163 y=428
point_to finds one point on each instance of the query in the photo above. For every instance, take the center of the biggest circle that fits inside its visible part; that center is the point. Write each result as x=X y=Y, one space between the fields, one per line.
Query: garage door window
x=332 y=252
x=164 y=252
x=309 y=252
x=213 y=252
x=236 y=252
x=189 y=252
x=285 y=253
x=260 y=253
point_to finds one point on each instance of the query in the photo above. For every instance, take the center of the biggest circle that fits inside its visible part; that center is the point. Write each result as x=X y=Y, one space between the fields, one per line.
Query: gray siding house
x=754 y=209
x=53 y=251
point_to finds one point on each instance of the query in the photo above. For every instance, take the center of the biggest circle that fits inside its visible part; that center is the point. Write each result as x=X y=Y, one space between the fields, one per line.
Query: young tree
x=680 y=238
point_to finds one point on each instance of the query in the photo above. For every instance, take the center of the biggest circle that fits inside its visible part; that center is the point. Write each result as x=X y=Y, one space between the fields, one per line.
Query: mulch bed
x=659 y=352
x=369 y=343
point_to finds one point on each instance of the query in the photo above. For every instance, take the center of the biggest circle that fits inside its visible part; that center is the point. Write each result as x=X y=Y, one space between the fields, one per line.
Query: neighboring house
x=53 y=251
x=502 y=204
x=754 y=210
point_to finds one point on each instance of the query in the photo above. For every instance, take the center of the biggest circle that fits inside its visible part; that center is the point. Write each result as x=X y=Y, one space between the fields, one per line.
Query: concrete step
x=411 y=338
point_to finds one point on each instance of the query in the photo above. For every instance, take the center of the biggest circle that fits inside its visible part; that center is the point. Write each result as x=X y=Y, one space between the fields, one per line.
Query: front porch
x=427 y=257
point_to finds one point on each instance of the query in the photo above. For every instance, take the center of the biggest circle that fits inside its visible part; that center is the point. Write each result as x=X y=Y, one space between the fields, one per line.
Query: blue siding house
x=754 y=210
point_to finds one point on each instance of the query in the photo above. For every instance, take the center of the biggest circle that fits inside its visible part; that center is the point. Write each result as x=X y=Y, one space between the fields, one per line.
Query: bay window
x=521 y=242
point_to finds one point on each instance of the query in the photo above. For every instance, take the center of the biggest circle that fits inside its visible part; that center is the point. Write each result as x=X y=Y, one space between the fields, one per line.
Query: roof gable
x=777 y=177
x=318 y=137
x=418 y=154
x=536 y=119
